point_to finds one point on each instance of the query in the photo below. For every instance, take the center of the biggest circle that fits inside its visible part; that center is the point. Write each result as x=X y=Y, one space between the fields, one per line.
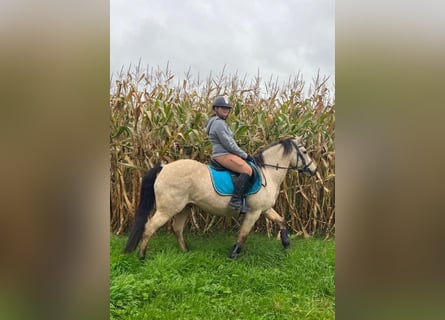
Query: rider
x=226 y=151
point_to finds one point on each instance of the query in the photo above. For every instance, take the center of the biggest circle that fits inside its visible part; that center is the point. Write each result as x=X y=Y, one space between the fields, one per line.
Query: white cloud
x=275 y=37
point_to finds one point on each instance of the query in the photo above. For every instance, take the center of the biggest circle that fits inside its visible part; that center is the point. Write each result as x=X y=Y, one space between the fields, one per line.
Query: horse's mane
x=287 y=144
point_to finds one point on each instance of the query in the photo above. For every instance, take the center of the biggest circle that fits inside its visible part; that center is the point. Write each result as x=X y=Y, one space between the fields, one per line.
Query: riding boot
x=247 y=186
x=241 y=187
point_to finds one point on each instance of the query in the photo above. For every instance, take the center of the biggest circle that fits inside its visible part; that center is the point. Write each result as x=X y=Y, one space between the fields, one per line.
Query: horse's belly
x=221 y=211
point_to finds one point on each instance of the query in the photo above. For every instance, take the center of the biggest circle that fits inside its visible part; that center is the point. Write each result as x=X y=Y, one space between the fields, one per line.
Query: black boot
x=241 y=187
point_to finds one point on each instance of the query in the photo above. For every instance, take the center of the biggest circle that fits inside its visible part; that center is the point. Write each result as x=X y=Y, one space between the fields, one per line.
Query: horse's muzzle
x=310 y=172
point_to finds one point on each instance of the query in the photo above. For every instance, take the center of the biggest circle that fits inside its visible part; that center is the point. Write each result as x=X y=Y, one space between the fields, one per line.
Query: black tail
x=146 y=204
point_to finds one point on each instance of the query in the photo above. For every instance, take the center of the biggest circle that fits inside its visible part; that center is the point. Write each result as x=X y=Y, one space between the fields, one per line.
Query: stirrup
x=239 y=206
x=244 y=207
x=235 y=204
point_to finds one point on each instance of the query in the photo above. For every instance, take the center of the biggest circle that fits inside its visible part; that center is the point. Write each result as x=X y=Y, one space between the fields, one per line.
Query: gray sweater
x=221 y=138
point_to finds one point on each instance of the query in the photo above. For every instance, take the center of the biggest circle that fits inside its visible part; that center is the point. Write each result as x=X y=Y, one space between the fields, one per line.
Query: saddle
x=223 y=179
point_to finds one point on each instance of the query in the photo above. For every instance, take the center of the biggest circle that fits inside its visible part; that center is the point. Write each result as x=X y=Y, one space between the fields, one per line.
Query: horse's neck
x=274 y=157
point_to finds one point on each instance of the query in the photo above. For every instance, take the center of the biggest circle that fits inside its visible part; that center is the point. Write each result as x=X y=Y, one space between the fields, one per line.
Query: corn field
x=155 y=117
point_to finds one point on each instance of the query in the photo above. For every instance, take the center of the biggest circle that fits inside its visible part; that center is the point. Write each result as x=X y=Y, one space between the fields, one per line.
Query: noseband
x=299 y=155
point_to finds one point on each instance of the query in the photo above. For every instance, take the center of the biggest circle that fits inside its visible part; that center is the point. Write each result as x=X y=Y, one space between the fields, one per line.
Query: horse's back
x=184 y=165
x=184 y=169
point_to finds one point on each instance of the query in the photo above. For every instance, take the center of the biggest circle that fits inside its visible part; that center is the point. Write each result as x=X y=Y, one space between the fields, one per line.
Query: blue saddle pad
x=223 y=184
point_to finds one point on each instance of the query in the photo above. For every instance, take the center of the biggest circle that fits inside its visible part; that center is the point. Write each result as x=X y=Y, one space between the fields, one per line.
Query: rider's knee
x=248 y=170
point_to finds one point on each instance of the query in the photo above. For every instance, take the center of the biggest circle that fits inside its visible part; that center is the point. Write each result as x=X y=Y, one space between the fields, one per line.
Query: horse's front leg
x=246 y=226
x=271 y=214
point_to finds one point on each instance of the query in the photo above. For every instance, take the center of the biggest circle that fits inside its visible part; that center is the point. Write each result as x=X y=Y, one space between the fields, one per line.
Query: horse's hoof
x=141 y=256
x=286 y=244
x=234 y=255
x=235 y=252
x=285 y=239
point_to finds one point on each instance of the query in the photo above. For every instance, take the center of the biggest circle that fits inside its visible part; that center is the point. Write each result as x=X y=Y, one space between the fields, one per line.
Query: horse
x=174 y=186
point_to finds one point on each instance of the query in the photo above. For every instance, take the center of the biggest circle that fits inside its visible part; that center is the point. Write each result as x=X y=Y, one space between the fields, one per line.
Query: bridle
x=299 y=156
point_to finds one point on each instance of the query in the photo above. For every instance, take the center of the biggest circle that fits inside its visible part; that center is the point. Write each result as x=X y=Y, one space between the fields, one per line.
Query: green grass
x=265 y=282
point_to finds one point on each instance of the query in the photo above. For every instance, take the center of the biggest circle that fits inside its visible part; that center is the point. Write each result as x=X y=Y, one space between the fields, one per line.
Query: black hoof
x=235 y=252
x=284 y=239
x=141 y=255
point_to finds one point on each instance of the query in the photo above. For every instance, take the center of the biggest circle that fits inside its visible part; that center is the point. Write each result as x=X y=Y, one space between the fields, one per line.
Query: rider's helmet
x=221 y=101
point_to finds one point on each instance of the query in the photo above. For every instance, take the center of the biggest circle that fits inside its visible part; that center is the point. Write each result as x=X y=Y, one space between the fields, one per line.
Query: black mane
x=287 y=144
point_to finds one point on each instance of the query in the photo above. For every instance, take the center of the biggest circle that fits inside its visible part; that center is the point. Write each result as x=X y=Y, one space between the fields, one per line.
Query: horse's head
x=293 y=150
x=303 y=162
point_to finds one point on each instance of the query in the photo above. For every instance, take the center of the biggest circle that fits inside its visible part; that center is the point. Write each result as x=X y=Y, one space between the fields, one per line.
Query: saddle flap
x=223 y=180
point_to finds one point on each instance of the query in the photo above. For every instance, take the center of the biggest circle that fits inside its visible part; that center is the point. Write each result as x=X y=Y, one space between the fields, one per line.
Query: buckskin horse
x=172 y=187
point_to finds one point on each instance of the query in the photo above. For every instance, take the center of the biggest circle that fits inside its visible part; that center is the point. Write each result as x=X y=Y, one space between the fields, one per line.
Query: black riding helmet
x=221 y=101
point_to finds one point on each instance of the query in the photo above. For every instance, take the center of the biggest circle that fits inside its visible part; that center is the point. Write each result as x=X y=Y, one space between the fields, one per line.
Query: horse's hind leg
x=275 y=217
x=152 y=225
x=178 y=227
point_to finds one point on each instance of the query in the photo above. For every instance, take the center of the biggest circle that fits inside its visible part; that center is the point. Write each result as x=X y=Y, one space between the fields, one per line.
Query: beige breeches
x=234 y=163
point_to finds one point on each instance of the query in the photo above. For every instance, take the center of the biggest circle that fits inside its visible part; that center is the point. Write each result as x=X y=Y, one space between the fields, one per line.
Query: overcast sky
x=279 y=38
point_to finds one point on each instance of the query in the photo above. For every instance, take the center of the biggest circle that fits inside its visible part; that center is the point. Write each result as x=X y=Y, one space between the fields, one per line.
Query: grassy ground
x=265 y=282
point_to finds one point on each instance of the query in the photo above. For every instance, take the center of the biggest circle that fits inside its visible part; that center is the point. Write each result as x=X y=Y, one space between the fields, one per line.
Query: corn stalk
x=154 y=119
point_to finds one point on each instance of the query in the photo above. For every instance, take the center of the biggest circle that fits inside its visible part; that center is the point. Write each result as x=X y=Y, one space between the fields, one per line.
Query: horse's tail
x=146 y=204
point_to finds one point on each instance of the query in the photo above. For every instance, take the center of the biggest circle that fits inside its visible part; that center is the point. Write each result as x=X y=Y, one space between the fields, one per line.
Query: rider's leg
x=235 y=163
